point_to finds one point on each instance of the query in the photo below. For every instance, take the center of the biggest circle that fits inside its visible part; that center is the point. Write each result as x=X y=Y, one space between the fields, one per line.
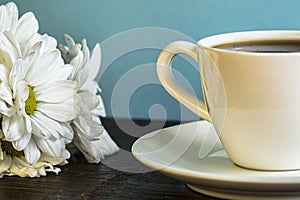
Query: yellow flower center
x=8 y=148
x=30 y=103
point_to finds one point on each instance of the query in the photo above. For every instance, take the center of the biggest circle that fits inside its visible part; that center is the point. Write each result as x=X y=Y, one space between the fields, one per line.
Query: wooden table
x=83 y=181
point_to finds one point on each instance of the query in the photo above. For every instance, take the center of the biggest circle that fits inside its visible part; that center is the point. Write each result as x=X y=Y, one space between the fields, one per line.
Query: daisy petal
x=53 y=127
x=82 y=77
x=44 y=68
x=93 y=67
x=67 y=133
x=15 y=44
x=22 y=91
x=13 y=12
x=56 y=129
x=2 y=154
x=20 y=167
x=5 y=164
x=100 y=109
x=69 y=40
x=90 y=100
x=3 y=73
x=94 y=64
x=77 y=63
x=20 y=144
x=9 y=52
x=4 y=18
x=27 y=26
x=28 y=123
x=16 y=74
x=51 y=147
x=5 y=110
x=55 y=92
x=5 y=93
x=48 y=42
x=16 y=127
x=32 y=153
x=39 y=129
x=86 y=52
x=64 y=111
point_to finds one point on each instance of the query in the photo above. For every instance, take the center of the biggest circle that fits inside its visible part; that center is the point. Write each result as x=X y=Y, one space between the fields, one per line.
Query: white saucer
x=193 y=154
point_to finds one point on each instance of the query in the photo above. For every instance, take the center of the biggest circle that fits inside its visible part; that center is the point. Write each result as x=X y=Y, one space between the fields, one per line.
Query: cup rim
x=211 y=42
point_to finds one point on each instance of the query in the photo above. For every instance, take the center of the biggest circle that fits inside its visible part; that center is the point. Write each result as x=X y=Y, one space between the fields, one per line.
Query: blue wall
x=128 y=76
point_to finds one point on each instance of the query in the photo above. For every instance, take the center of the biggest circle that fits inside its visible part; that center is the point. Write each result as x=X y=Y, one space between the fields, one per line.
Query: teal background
x=100 y=20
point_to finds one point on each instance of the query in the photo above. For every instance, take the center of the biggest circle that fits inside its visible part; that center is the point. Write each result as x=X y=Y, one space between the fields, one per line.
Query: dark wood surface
x=118 y=177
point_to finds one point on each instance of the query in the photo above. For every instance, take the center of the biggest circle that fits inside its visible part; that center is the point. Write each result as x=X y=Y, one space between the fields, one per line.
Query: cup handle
x=166 y=77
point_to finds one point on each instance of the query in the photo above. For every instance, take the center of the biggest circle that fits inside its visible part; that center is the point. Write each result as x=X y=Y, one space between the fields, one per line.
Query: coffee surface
x=286 y=46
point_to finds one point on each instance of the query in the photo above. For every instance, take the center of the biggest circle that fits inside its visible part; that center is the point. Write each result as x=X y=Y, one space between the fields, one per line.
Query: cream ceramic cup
x=251 y=98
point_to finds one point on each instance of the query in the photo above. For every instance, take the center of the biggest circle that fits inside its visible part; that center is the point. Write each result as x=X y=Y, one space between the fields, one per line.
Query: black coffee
x=284 y=46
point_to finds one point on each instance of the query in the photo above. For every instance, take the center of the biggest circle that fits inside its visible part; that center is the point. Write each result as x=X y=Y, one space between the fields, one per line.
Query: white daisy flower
x=13 y=163
x=17 y=36
x=90 y=137
x=42 y=101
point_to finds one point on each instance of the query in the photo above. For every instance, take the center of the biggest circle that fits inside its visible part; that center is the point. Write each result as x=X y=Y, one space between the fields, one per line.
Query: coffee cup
x=251 y=88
